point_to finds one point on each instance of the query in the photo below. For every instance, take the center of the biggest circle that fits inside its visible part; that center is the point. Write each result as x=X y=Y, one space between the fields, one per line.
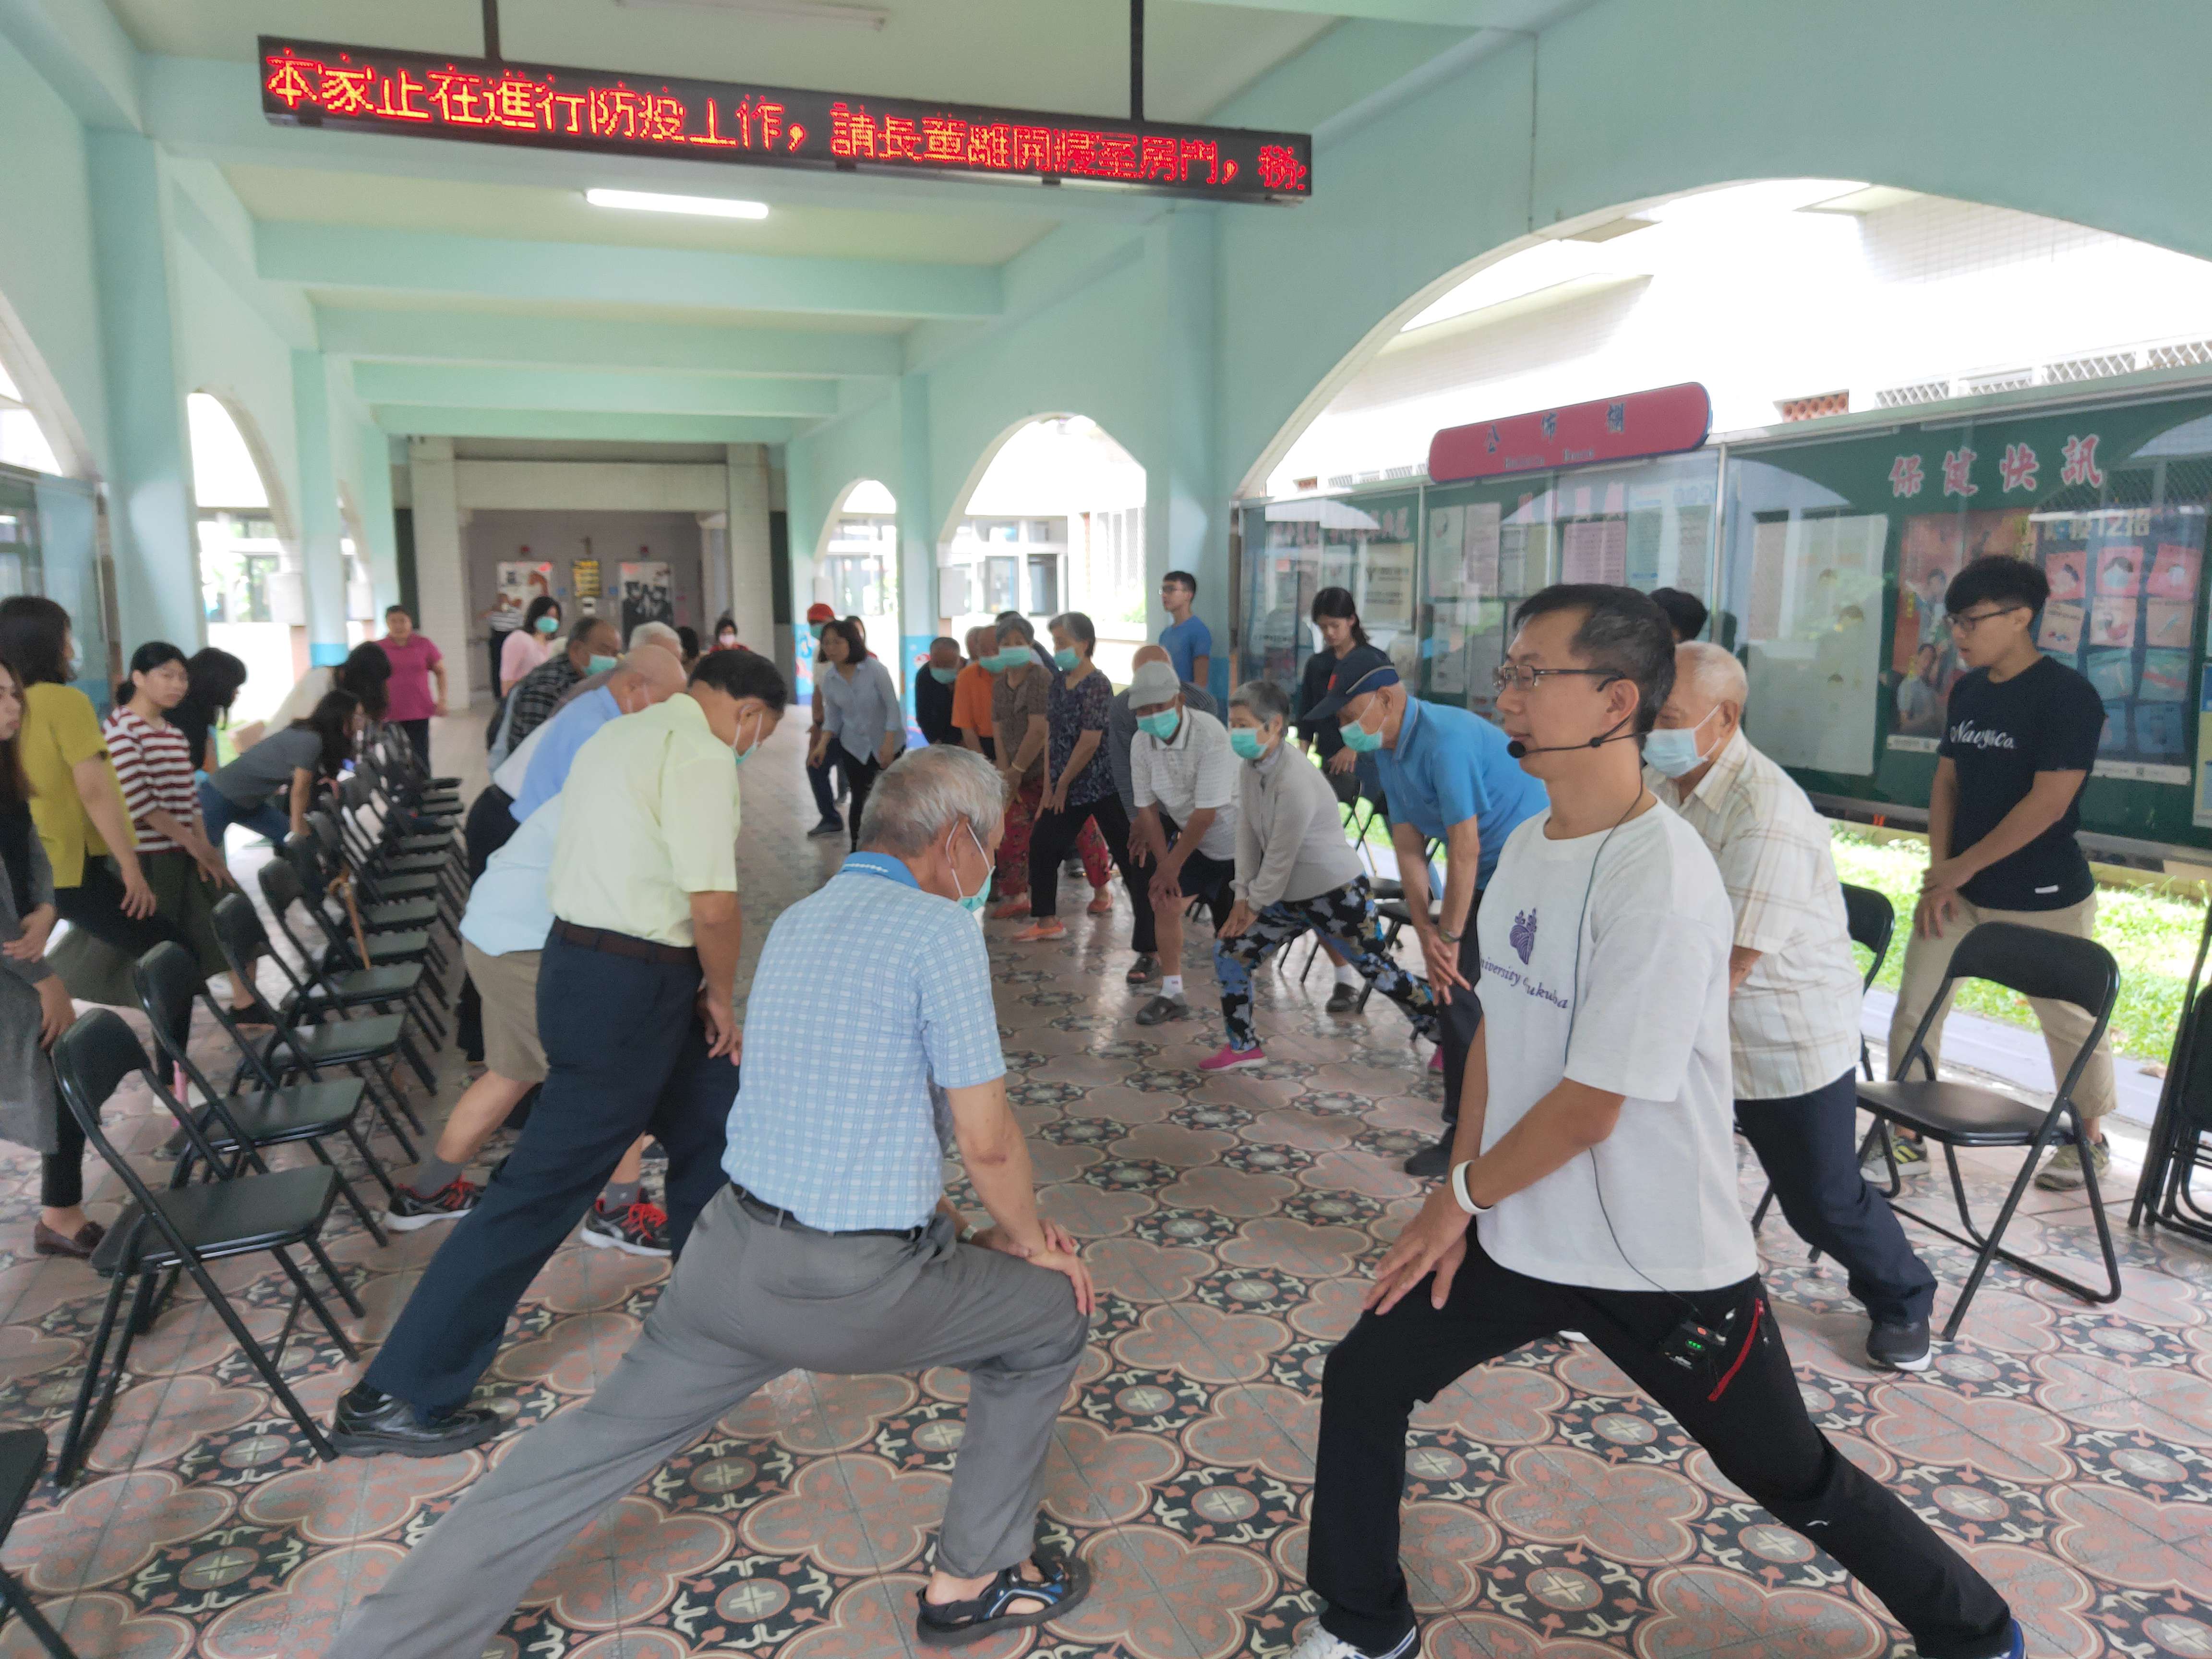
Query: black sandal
x=951 y=1624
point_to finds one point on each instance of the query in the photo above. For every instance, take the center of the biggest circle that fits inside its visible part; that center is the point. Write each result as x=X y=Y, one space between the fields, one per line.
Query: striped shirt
x=154 y=765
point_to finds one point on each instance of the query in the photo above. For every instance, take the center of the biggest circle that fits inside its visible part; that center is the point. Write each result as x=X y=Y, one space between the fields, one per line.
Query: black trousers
x=489 y=826
x=61 y=1172
x=1743 y=1407
x=1809 y=1146
x=1461 y=1018
x=495 y=646
x=1203 y=878
x=418 y=735
x=626 y=1055
x=860 y=777
x=1054 y=838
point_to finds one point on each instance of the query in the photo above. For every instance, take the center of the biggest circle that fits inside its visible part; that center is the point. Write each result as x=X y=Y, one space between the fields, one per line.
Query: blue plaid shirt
x=872 y=998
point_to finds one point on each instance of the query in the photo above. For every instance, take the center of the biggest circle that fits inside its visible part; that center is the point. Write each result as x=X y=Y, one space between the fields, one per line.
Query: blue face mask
x=814 y=629
x=739 y=754
x=1161 y=726
x=1247 y=743
x=549 y=623
x=1067 y=658
x=1359 y=739
x=603 y=664
x=973 y=903
x=943 y=675
x=1673 y=751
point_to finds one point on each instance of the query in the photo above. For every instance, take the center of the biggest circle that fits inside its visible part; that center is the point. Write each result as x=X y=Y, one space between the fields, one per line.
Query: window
x=1000 y=583
x=1044 y=584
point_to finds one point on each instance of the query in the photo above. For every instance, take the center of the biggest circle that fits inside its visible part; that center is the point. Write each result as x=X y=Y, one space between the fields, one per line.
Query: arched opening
x=856 y=573
x=1054 y=522
x=250 y=582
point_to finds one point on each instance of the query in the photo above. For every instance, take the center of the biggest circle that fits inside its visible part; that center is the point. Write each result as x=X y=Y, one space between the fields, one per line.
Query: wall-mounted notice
x=1813 y=639
x=1479 y=550
x=1447 y=526
x=1386 y=585
x=1594 y=550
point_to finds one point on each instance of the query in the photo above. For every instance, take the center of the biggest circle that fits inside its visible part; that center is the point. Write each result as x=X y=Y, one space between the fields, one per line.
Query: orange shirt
x=971 y=699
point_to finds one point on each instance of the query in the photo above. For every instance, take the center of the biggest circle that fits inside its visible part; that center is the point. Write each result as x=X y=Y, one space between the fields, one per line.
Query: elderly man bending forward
x=872 y=1048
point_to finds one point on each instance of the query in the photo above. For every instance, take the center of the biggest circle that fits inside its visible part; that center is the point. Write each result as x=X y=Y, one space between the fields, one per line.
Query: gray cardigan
x=29 y=1101
x=1289 y=832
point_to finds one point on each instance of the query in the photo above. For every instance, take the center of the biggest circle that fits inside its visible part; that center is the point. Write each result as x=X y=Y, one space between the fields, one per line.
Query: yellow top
x=649 y=816
x=59 y=730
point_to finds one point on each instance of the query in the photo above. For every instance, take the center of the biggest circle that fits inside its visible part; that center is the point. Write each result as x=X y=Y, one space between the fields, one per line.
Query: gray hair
x=1016 y=627
x=925 y=792
x=1076 y=627
x=1264 y=699
x=1715 y=672
x=656 y=633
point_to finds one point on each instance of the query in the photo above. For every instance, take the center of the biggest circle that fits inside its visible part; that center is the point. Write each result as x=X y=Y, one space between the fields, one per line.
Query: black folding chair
x=365 y=1047
x=1872 y=922
x=392 y=936
x=2035 y=963
x=303 y=1114
x=2181 y=1140
x=23 y=1459
x=333 y=978
x=162 y=1233
x=380 y=911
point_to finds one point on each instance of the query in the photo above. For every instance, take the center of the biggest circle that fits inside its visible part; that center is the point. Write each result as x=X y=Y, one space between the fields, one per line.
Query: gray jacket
x=29 y=1102
x=1289 y=832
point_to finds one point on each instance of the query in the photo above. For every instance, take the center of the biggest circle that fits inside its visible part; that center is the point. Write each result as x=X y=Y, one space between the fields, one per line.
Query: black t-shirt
x=1326 y=736
x=2044 y=719
x=932 y=708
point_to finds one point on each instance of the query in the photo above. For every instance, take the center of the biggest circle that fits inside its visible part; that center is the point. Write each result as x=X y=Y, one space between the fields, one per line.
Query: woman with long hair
x=34 y=1004
x=860 y=715
x=290 y=767
x=531 y=644
x=213 y=680
x=153 y=761
x=1336 y=619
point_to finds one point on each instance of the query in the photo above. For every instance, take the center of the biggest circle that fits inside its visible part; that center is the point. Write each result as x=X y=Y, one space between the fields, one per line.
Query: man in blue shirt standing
x=1188 y=642
x=873 y=1052
x=1448 y=778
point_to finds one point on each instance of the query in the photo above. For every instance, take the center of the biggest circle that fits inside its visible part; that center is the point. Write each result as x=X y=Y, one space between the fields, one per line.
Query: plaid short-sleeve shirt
x=872 y=998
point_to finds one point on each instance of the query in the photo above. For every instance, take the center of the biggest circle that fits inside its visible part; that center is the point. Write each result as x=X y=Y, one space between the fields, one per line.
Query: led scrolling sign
x=368 y=90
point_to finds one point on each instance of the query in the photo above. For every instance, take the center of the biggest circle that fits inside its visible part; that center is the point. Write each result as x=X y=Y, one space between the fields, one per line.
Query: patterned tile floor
x=1554 y=1513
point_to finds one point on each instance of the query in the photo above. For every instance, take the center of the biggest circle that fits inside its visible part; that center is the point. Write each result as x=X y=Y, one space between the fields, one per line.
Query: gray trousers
x=749 y=1301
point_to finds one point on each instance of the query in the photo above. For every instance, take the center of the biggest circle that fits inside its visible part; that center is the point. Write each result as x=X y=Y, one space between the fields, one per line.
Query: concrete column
x=1186 y=518
x=322 y=565
x=382 y=552
x=149 y=459
x=751 y=580
x=440 y=582
x=917 y=528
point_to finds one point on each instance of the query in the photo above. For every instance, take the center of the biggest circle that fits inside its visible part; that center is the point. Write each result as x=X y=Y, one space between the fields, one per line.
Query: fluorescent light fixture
x=789 y=11
x=648 y=201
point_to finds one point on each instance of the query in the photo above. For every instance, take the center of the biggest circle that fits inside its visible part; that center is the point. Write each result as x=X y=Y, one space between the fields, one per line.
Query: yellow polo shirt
x=59 y=730
x=649 y=816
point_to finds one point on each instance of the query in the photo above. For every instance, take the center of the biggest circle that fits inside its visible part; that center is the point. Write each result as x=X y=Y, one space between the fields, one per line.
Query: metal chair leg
x=337 y=1279
x=65 y=1464
x=262 y=1363
x=18 y=1601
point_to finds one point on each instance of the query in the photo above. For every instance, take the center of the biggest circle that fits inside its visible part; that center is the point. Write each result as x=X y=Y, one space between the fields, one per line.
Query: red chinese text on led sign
x=1662 y=422
x=368 y=89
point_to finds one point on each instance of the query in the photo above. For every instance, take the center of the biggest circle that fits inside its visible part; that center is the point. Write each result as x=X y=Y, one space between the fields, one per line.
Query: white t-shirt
x=1644 y=1014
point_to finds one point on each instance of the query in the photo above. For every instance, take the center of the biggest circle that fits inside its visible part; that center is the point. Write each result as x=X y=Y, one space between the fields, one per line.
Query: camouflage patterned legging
x=1346 y=919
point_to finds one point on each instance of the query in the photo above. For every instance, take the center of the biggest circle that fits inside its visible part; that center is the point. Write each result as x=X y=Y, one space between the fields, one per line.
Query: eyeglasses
x=1524 y=679
x=1966 y=621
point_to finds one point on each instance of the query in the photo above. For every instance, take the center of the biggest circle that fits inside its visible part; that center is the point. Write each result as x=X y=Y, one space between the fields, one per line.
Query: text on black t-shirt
x=1998 y=735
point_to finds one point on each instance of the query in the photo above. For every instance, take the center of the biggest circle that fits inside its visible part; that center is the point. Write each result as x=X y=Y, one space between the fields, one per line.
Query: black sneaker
x=1143 y=971
x=1899 y=1347
x=409 y=1210
x=832 y=826
x=640 y=1229
x=1429 y=1162
x=1343 y=1000
x=1160 y=1009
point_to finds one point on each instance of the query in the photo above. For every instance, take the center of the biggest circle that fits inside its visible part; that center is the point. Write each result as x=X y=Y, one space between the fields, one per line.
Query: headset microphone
x=1517 y=749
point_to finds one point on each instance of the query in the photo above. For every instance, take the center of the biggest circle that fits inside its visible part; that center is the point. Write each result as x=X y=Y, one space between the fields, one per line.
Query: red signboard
x=1664 y=421
x=368 y=90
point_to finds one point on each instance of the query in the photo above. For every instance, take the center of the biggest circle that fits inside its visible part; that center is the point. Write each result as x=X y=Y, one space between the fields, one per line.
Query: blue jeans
x=219 y=812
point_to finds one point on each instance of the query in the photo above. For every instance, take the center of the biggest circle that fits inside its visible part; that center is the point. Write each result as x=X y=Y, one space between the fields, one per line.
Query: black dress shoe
x=1343 y=1000
x=1430 y=1160
x=370 y=1423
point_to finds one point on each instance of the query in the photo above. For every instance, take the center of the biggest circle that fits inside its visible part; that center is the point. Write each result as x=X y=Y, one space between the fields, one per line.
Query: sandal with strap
x=951 y=1624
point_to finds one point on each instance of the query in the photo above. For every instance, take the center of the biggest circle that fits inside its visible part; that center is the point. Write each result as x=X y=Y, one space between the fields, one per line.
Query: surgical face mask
x=1672 y=750
x=814 y=629
x=943 y=675
x=602 y=665
x=1067 y=658
x=1161 y=726
x=726 y=640
x=549 y=623
x=973 y=903
x=1359 y=739
x=738 y=754
x=1249 y=742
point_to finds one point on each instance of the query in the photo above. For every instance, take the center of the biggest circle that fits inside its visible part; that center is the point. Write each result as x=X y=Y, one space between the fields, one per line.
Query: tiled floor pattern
x=1554 y=1514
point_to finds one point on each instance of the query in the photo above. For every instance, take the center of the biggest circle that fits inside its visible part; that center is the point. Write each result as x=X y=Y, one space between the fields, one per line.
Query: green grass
x=2151 y=935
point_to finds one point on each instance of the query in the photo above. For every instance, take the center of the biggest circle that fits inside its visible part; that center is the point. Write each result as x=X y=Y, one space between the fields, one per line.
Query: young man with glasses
x=1594 y=1184
x=2019 y=735
x=1448 y=778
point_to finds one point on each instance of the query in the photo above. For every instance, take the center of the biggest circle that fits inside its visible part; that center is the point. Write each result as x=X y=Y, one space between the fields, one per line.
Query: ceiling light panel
x=647 y=201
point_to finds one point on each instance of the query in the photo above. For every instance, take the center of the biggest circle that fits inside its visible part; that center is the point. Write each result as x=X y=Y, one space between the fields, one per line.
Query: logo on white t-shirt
x=1522 y=938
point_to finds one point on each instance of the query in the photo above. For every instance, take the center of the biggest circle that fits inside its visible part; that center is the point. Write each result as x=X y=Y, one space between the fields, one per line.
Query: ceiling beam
x=417 y=421
x=201 y=107
x=82 y=52
x=426 y=262
x=467 y=337
x=456 y=385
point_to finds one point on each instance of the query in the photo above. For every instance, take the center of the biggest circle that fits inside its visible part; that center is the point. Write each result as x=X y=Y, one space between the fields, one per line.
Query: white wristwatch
x=1461 y=1196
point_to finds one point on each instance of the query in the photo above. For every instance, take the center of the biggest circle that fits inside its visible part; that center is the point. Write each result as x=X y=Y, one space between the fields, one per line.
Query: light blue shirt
x=862 y=711
x=1451 y=765
x=1190 y=646
x=507 y=907
x=564 y=734
x=872 y=998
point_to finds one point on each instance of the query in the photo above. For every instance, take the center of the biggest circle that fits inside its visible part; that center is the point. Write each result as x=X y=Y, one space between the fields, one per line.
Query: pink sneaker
x=1231 y=1059
x=1437 y=1060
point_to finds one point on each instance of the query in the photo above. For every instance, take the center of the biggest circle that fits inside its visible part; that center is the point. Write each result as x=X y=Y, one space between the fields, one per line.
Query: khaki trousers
x=2065 y=1027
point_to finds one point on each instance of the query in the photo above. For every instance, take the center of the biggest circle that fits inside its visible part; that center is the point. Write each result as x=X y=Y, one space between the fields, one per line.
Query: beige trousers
x=2065 y=1027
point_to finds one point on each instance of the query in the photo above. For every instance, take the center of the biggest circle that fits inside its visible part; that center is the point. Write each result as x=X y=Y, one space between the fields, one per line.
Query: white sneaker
x=1320 y=1644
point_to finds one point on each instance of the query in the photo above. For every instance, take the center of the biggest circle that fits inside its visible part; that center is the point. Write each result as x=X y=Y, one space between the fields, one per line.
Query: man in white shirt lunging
x=1593 y=1152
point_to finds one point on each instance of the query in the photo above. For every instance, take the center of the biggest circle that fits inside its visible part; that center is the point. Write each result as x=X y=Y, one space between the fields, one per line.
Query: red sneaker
x=639 y=1229
x=450 y=1202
